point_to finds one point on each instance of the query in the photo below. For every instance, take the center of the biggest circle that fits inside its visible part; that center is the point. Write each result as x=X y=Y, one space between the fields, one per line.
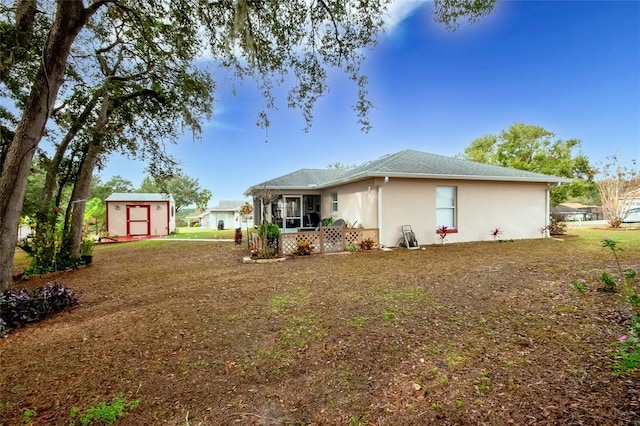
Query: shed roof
x=406 y=164
x=139 y=196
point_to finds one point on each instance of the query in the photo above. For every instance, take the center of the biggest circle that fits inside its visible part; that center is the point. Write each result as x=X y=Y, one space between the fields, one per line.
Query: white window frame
x=450 y=210
x=334 y=202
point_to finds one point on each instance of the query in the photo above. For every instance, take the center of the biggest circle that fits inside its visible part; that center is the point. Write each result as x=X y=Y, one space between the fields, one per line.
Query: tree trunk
x=73 y=239
x=70 y=17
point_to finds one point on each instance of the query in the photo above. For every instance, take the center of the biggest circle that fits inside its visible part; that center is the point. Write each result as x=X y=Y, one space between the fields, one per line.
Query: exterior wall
x=161 y=218
x=357 y=204
x=518 y=209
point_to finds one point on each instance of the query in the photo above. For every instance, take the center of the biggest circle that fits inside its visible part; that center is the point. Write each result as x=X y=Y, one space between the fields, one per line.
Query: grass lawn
x=204 y=233
x=463 y=334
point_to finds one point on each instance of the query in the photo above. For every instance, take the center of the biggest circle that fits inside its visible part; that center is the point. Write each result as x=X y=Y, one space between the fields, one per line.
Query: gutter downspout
x=386 y=179
x=547 y=212
x=380 y=214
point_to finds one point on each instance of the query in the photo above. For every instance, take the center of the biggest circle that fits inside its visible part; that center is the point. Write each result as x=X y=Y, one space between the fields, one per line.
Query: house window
x=334 y=201
x=446 y=206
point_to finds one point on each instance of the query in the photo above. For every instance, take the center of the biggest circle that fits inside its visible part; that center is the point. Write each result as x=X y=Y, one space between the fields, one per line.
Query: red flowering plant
x=496 y=233
x=303 y=249
x=442 y=233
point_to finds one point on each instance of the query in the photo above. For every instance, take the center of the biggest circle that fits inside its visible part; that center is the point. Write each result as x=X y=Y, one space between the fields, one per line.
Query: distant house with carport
x=140 y=214
x=577 y=212
x=423 y=190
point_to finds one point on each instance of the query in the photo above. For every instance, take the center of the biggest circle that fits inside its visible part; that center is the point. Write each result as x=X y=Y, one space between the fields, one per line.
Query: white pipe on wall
x=380 y=213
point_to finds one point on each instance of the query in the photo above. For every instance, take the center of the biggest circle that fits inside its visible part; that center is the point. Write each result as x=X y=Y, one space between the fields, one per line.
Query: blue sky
x=572 y=67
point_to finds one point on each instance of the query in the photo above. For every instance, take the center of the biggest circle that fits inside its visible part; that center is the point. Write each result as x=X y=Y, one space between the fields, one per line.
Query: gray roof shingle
x=408 y=164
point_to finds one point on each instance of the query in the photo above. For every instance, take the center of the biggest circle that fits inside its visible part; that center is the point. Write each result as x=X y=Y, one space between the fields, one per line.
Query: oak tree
x=535 y=149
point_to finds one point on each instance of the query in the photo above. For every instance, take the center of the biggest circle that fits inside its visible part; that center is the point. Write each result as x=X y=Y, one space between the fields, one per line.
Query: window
x=334 y=201
x=446 y=206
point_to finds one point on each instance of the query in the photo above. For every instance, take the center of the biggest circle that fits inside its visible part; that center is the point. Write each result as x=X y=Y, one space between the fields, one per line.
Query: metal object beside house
x=409 y=237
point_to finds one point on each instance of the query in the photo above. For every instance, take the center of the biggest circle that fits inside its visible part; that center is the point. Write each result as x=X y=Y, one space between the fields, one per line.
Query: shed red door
x=138 y=222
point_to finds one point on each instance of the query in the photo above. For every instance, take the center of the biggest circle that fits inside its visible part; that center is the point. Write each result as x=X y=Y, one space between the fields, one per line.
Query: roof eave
x=360 y=176
x=541 y=179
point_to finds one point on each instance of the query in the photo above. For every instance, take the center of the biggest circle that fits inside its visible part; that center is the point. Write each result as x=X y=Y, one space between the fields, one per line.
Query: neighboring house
x=419 y=189
x=632 y=199
x=226 y=211
x=140 y=214
x=577 y=212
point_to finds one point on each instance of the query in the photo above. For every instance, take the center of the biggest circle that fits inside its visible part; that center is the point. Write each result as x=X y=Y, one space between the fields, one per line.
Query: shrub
x=104 y=413
x=442 y=232
x=366 y=244
x=351 y=249
x=272 y=233
x=556 y=225
x=628 y=354
x=609 y=282
x=303 y=248
x=18 y=307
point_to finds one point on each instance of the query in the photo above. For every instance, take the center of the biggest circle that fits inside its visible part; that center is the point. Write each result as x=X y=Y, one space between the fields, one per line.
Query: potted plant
x=86 y=251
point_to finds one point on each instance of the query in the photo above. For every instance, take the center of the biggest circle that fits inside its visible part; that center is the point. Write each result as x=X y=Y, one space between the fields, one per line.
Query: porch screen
x=446 y=206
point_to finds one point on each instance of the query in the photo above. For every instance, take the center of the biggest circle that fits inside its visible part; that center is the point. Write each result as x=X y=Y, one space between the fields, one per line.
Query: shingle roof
x=228 y=205
x=138 y=196
x=407 y=164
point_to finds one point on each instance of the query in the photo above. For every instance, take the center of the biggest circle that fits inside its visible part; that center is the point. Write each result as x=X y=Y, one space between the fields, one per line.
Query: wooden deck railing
x=327 y=239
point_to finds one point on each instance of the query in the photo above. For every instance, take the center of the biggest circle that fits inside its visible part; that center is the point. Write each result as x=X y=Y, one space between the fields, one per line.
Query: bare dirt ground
x=464 y=334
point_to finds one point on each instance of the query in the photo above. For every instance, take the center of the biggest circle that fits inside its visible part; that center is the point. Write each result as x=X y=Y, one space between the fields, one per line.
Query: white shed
x=226 y=214
x=140 y=214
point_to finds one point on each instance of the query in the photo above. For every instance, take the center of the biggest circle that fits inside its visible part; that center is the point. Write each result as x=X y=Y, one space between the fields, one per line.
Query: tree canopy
x=533 y=148
x=186 y=190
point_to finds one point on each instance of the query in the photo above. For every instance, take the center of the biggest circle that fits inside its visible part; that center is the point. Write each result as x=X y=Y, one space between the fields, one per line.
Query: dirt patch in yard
x=484 y=333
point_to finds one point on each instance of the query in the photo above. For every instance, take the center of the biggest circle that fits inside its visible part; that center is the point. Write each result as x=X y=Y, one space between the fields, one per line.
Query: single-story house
x=226 y=213
x=632 y=199
x=577 y=212
x=422 y=190
x=140 y=214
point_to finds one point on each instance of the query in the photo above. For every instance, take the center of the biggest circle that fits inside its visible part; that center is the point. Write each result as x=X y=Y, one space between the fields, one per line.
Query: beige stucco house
x=140 y=214
x=419 y=189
